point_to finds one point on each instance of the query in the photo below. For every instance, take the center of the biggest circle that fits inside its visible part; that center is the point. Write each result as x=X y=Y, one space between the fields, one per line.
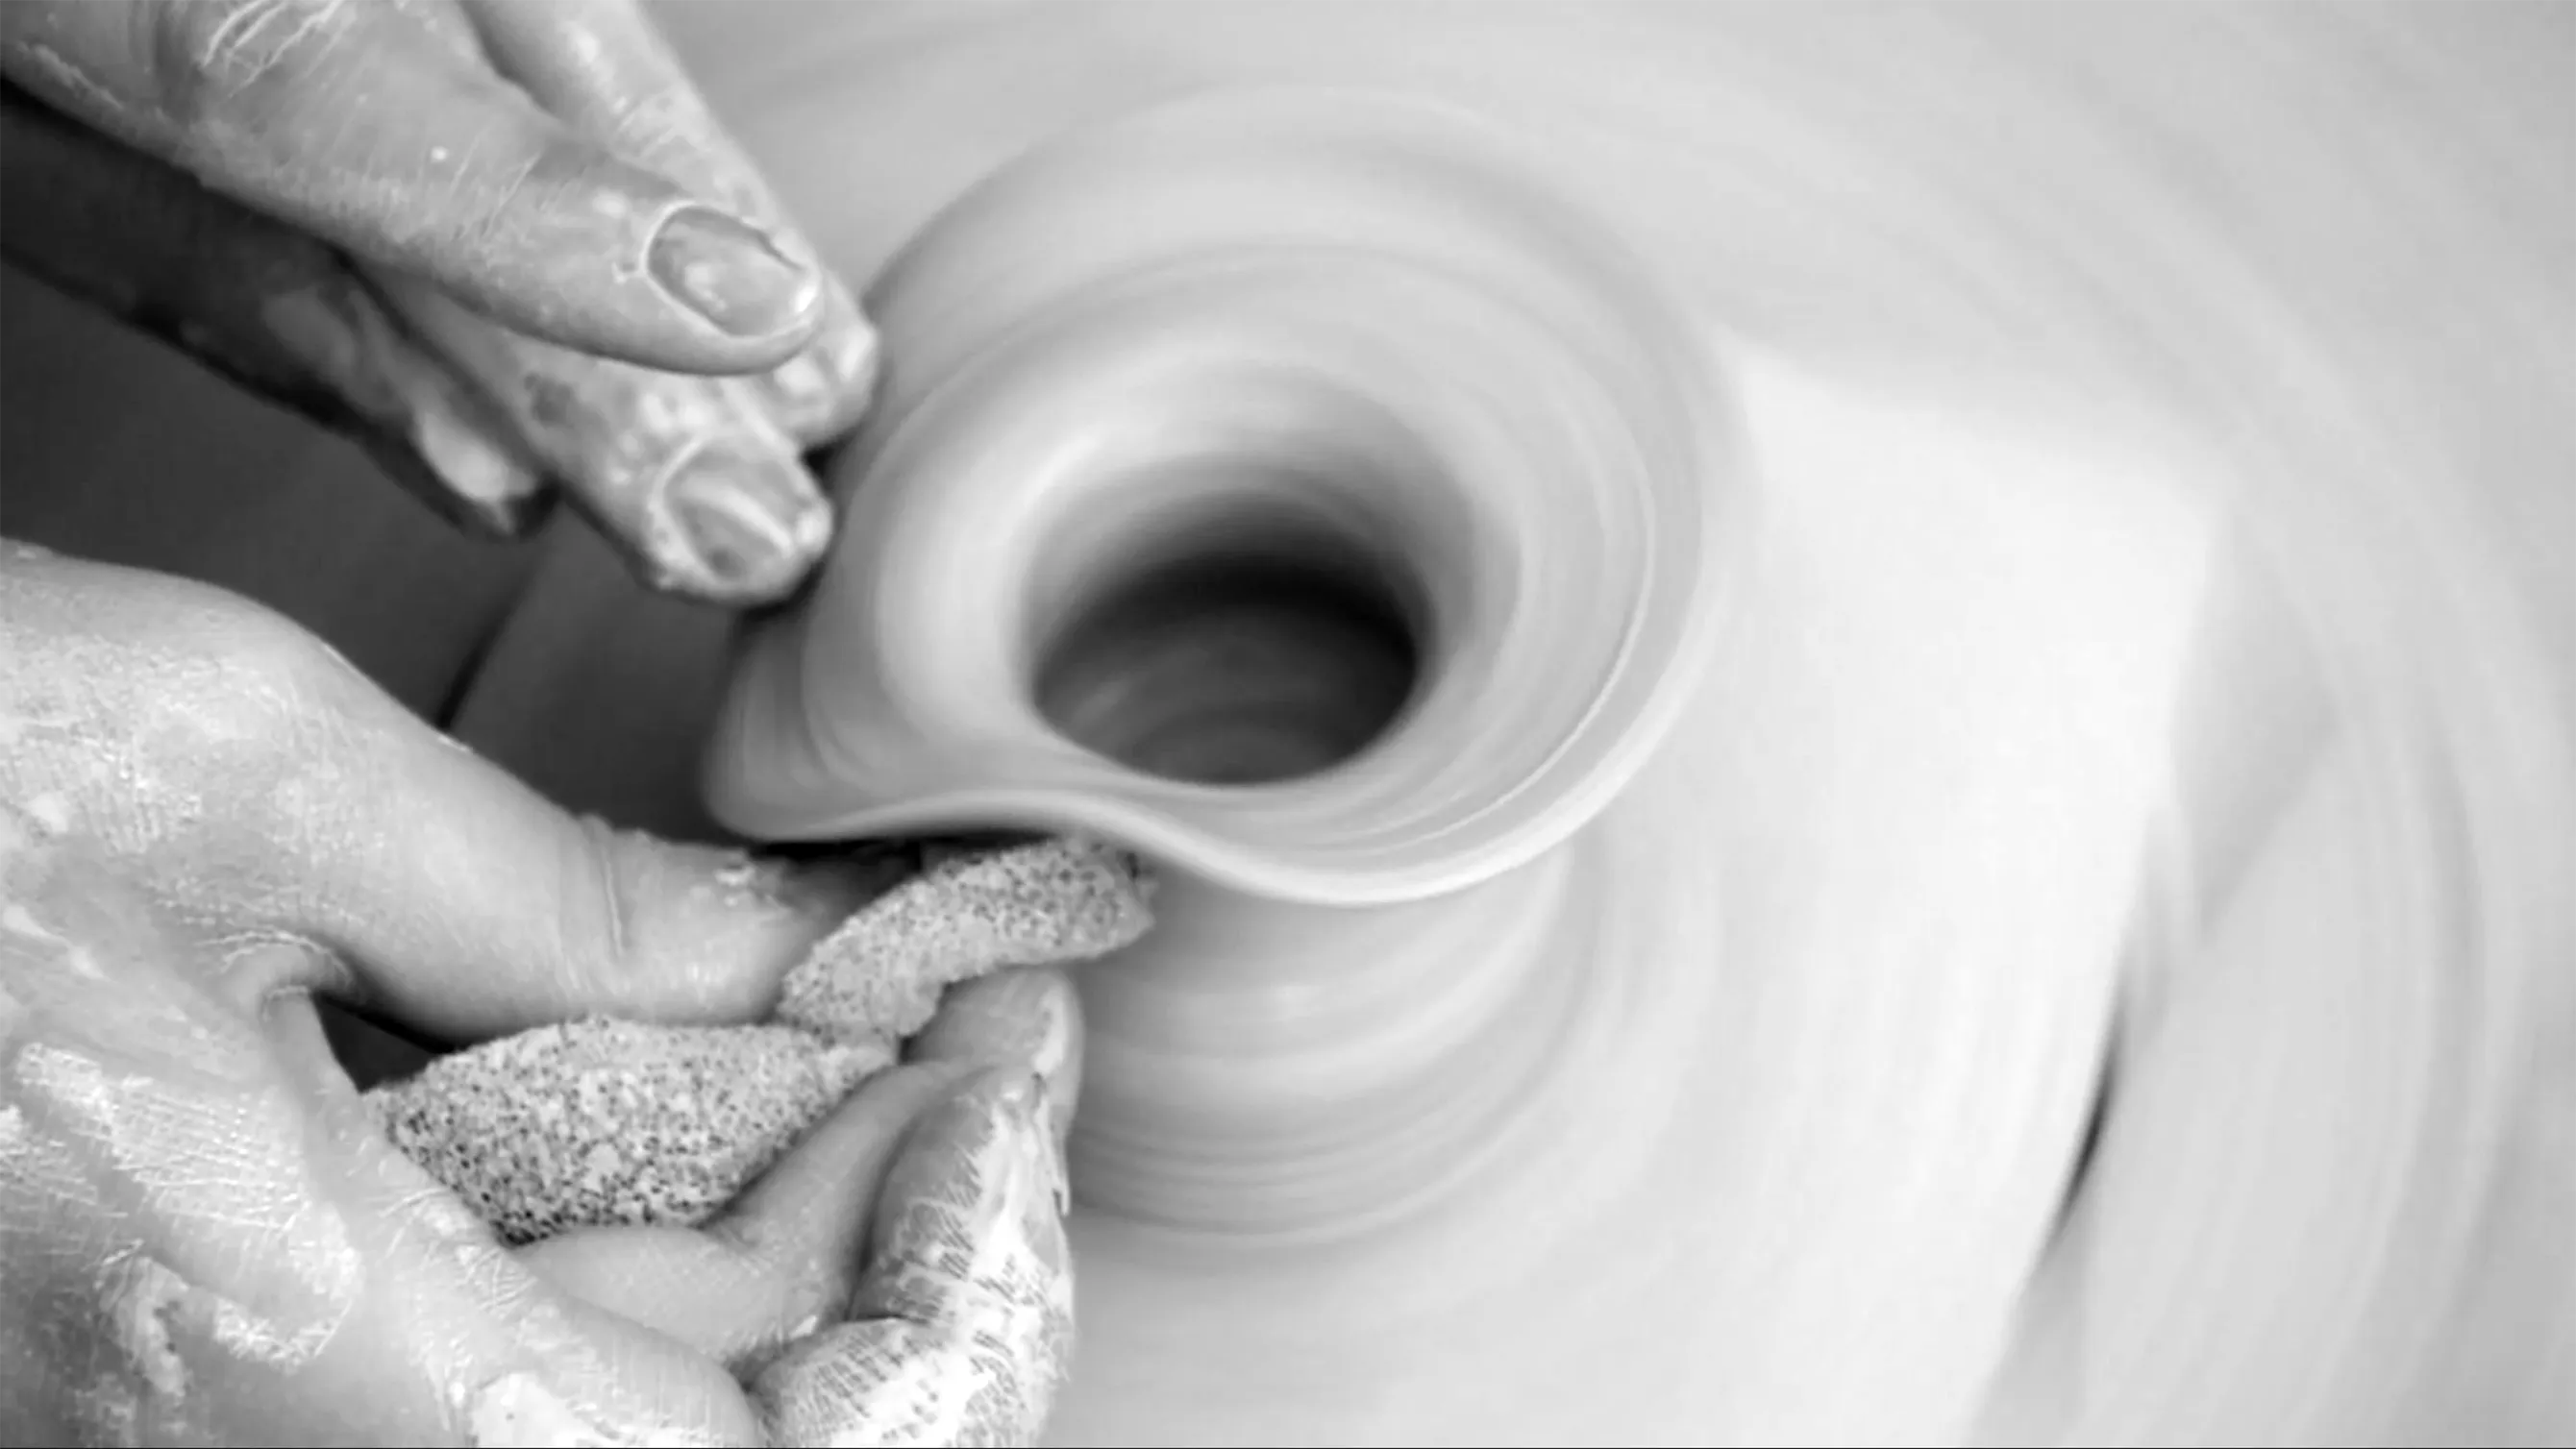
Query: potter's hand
x=204 y=818
x=506 y=245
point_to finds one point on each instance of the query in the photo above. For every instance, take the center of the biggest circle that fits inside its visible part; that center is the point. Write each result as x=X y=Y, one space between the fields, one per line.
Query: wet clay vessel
x=1289 y=486
x=1338 y=517
x=1328 y=510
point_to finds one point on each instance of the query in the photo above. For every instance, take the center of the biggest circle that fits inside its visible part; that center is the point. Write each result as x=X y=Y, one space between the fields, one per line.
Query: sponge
x=602 y=1122
x=968 y=912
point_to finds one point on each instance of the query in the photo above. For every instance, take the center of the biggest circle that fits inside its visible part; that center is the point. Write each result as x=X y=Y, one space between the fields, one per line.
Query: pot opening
x=1268 y=650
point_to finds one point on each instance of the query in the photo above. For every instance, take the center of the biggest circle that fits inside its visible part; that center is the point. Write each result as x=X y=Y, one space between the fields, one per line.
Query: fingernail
x=753 y=524
x=731 y=273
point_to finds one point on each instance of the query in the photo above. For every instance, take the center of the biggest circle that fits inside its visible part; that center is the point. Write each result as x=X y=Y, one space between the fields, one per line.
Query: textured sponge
x=967 y=913
x=602 y=1122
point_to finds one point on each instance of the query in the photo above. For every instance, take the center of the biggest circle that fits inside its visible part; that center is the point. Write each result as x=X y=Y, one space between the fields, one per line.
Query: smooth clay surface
x=2157 y=650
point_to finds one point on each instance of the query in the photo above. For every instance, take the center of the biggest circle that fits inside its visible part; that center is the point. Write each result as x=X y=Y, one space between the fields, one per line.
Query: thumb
x=468 y=906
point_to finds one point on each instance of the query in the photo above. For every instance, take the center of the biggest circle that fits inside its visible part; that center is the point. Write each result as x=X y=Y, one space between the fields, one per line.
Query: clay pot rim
x=1010 y=770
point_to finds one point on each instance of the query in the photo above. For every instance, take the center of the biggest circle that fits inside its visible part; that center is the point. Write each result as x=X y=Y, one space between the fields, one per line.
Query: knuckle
x=597 y=425
x=597 y=926
x=664 y=125
x=220 y=701
x=529 y=183
x=499 y=188
x=268 y=675
x=239 y=61
x=630 y=90
x=152 y=697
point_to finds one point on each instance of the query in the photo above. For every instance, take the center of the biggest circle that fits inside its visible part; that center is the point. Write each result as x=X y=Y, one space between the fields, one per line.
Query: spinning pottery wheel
x=2026 y=588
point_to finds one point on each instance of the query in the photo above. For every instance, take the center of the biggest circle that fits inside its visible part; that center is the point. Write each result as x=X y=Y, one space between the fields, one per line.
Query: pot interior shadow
x=1239 y=661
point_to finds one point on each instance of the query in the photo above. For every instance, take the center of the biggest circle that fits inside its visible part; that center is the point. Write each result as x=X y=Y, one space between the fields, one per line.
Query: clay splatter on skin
x=194 y=1160
x=517 y=1409
x=618 y=435
x=18 y=921
x=603 y=1122
x=141 y=1295
x=146 y=1301
x=966 y=1291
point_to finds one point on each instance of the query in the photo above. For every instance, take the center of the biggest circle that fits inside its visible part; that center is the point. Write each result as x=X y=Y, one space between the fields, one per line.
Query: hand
x=206 y=819
x=506 y=245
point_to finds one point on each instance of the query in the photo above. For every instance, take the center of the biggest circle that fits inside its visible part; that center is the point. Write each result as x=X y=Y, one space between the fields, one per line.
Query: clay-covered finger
x=1028 y=1017
x=689 y=477
x=370 y=127
x=204 y=1244
x=604 y=67
x=237 y=765
x=274 y=309
x=963 y=1322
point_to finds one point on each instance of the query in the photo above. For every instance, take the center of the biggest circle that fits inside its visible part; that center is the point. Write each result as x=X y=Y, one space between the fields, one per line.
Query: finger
x=963 y=1321
x=604 y=67
x=205 y=1245
x=473 y=907
x=512 y=1358
x=687 y=477
x=88 y=1080
x=277 y=311
x=496 y=911
x=368 y=126
x=782 y=1259
x=1028 y=1017
x=282 y=795
x=76 y=942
